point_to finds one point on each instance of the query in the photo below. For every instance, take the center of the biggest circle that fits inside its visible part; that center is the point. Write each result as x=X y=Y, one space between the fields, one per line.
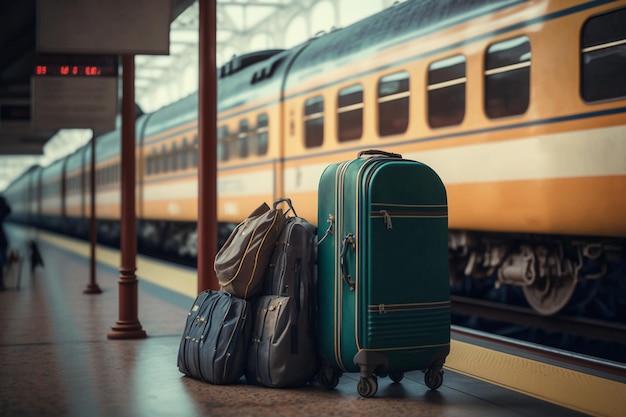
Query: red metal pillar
x=92 y=287
x=128 y=326
x=207 y=147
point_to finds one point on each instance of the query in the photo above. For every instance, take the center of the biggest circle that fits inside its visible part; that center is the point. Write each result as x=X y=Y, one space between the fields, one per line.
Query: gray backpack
x=283 y=346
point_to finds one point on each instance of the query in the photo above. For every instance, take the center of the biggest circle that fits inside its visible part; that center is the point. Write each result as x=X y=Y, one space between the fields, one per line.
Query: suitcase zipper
x=414 y=212
x=239 y=325
x=390 y=308
x=339 y=287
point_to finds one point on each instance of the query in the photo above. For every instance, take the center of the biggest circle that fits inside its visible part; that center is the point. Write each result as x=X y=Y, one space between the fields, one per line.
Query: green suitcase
x=383 y=284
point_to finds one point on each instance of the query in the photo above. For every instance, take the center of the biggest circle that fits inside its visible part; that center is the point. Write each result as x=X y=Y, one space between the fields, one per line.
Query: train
x=518 y=105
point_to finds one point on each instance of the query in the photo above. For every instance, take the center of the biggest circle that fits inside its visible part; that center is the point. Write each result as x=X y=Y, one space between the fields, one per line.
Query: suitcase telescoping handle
x=347 y=241
x=288 y=201
x=377 y=152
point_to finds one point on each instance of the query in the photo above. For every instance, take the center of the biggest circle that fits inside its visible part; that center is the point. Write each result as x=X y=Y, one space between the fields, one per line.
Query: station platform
x=56 y=360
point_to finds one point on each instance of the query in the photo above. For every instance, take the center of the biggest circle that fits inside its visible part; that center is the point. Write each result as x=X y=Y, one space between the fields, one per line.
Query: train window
x=194 y=152
x=507 y=77
x=350 y=113
x=156 y=163
x=251 y=139
x=262 y=141
x=182 y=156
x=174 y=157
x=603 y=57
x=242 y=139
x=446 y=91
x=165 y=163
x=222 y=143
x=314 y=122
x=393 y=104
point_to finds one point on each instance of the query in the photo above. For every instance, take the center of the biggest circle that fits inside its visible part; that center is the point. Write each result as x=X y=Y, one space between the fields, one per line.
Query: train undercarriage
x=549 y=269
x=551 y=274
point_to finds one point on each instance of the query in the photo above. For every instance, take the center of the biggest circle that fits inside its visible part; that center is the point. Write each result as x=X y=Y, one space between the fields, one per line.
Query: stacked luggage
x=262 y=322
x=378 y=291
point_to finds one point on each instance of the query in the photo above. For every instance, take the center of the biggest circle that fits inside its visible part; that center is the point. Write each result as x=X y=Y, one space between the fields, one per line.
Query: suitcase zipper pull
x=381 y=309
x=387 y=219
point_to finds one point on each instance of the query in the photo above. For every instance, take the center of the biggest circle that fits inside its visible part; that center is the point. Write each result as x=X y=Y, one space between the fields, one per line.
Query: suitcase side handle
x=347 y=241
x=379 y=153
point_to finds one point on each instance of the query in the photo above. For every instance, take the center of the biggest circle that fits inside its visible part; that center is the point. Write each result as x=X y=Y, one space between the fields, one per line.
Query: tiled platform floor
x=56 y=360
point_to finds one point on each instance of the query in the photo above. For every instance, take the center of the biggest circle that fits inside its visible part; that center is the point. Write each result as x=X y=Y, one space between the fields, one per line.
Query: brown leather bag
x=241 y=263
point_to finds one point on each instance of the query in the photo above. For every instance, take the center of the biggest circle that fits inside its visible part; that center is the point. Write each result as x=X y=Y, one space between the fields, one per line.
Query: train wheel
x=548 y=296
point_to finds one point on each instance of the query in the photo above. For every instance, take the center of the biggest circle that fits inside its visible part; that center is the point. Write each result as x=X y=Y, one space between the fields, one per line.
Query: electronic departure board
x=74 y=91
x=81 y=65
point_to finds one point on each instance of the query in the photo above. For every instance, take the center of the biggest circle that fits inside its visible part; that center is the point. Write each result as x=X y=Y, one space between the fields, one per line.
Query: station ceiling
x=242 y=26
x=17 y=62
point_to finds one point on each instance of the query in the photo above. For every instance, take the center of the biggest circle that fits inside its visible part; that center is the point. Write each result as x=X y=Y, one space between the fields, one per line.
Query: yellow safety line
x=171 y=277
x=565 y=387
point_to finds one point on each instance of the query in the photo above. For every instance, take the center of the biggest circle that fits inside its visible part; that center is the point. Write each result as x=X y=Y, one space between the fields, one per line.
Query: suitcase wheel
x=396 y=376
x=433 y=378
x=329 y=378
x=367 y=386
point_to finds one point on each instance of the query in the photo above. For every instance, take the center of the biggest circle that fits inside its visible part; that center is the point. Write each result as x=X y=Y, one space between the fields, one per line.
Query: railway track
x=599 y=331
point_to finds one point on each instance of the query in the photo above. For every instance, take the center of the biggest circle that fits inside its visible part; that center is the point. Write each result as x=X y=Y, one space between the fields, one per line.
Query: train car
x=108 y=182
x=517 y=104
x=51 y=195
x=35 y=190
x=250 y=140
x=20 y=193
x=167 y=178
x=75 y=194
